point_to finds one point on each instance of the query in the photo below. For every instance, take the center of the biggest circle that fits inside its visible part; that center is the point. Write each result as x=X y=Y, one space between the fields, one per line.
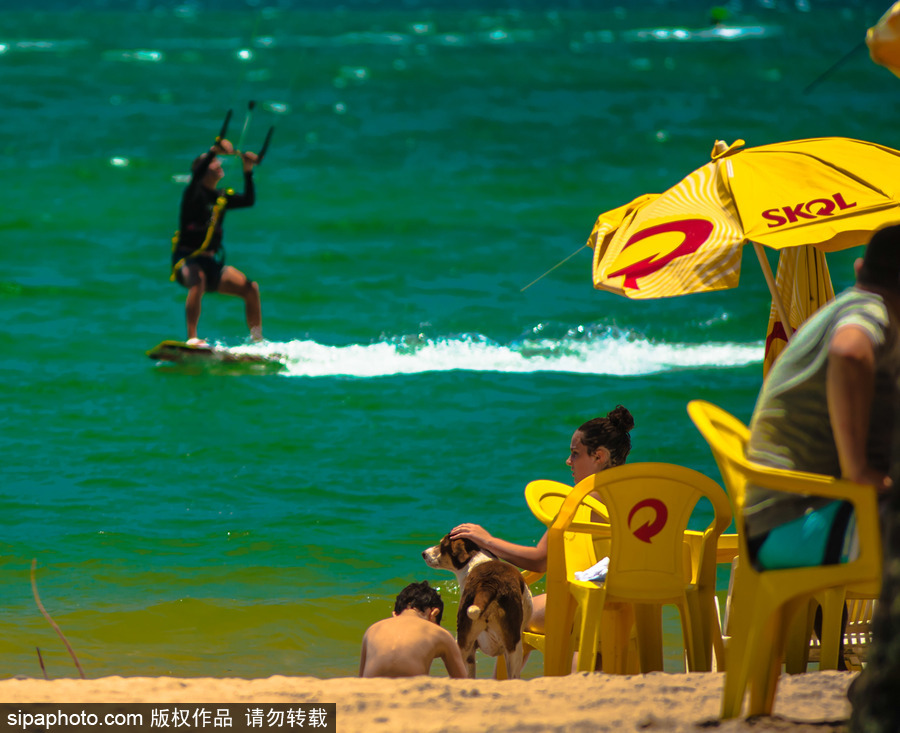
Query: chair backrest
x=728 y=437
x=649 y=507
x=545 y=498
x=580 y=550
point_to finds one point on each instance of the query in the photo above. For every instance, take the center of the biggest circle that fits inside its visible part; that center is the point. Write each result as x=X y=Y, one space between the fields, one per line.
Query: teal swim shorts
x=823 y=536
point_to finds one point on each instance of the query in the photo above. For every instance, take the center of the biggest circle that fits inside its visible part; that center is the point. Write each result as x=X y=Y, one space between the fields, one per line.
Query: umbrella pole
x=776 y=296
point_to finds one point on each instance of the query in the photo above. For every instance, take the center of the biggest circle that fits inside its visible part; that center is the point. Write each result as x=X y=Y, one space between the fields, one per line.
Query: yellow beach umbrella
x=804 y=286
x=883 y=40
x=827 y=193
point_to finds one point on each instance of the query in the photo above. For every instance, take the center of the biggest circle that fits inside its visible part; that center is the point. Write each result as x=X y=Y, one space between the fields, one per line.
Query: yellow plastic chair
x=650 y=565
x=764 y=603
x=726 y=551
x=645 y=572
x=802 y=647
x=858 y=634
x=545 y=498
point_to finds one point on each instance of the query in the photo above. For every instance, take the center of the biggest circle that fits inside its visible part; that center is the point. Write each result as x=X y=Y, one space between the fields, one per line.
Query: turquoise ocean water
x=428 y=162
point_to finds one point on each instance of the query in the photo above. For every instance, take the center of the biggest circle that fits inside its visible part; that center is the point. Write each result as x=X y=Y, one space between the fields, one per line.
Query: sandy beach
x=815 y=701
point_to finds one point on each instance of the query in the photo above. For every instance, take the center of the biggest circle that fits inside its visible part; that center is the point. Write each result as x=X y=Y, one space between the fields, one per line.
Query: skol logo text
x=810 y=210
x=695 y=232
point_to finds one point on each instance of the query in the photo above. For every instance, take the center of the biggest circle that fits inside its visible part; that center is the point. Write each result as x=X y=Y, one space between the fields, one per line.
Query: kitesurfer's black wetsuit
x=197 y=205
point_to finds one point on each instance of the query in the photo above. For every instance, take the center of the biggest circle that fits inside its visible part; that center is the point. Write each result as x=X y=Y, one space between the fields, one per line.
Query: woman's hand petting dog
x=475 y=532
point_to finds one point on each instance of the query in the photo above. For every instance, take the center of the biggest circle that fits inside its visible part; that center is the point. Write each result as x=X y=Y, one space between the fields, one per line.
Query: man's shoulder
x=853 y=307
x=864 y=309
x=857 y=297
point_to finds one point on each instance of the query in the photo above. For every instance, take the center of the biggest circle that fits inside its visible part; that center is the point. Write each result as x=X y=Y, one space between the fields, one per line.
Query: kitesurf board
x=181 y=352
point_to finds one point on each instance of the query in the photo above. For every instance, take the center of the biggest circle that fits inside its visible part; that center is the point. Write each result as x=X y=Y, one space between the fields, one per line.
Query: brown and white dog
x=494 y=602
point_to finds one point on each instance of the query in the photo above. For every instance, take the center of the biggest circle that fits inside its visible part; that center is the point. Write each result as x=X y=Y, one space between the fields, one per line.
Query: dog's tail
x=475 y=610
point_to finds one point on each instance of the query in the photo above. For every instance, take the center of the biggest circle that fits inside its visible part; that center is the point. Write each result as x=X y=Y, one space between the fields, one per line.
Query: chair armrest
x=599 y=531
x=864 y=499
x=565 y=517
x=800 y=482
x=726 y=548
x=531 y=577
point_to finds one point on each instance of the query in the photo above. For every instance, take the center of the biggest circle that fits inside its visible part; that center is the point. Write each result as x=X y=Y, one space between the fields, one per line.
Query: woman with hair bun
x=598 y=444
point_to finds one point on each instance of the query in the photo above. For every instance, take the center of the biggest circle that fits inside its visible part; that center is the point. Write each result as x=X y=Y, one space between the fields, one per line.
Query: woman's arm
x=523 y=556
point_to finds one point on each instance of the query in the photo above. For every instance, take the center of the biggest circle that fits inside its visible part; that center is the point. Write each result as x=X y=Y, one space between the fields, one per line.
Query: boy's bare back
x=406 y=645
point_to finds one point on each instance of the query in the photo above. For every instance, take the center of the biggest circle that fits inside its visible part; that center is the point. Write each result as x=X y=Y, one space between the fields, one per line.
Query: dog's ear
x=461 y=551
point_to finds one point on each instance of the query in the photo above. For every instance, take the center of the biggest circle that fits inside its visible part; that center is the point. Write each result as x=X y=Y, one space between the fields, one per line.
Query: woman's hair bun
x=621 y=418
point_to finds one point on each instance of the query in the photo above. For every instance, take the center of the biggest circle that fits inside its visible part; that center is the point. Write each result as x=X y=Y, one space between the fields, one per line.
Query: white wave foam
x=719 y=33
x=610 y=354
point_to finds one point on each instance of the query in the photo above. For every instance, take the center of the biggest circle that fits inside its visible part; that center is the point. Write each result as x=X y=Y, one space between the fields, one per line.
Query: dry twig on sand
x=41 y=662
x=51 y=622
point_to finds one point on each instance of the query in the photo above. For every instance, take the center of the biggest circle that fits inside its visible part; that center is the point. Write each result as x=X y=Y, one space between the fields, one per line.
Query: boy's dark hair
x=420 y=596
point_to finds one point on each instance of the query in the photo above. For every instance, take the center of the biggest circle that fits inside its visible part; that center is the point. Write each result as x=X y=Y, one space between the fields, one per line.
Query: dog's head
x=450 y=554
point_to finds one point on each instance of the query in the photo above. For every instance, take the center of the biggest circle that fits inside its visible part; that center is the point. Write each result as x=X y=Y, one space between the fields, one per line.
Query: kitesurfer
x=198 y=255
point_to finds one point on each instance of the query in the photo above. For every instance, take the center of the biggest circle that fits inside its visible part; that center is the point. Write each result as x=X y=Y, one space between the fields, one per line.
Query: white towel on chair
x=597 y=572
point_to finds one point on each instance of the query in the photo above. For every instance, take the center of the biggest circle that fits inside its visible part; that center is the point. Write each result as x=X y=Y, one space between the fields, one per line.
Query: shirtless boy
x=406 y=644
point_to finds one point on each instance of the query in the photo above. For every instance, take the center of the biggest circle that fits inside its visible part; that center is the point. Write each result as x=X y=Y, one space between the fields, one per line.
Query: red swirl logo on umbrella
x=695 y=231
x=652 y=528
